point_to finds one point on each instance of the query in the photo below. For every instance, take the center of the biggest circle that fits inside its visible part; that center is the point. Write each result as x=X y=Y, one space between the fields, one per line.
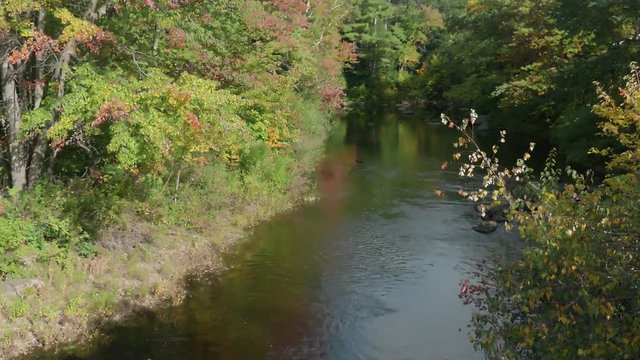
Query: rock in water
x=498 y=213
x=405 y=108
x=493 y=213
x=486 y=227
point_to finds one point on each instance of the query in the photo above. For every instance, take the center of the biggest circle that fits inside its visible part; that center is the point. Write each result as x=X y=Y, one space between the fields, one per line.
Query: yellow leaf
x=564 y=320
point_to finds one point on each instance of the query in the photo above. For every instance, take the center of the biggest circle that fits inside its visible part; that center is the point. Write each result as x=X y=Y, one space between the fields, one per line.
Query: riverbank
x=150 y=149
x=139 y=266
x=379 y=251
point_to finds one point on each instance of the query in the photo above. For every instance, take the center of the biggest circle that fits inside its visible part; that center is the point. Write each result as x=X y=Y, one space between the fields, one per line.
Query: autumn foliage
x=115 y=100
x=573 y=292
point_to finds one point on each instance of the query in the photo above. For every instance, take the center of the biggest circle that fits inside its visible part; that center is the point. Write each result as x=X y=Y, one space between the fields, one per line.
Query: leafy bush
x=574 y=293
x=39 y=229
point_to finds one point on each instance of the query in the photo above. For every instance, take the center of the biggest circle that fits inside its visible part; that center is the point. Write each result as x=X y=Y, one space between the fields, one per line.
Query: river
x=370 y=271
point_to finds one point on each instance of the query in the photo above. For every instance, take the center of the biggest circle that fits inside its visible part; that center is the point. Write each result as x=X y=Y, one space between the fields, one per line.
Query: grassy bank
x=140 y=138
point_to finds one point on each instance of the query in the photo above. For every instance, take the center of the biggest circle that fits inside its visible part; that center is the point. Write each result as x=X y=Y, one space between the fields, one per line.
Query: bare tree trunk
x=60 y=71
x=17 y=149
x=40 y=148
x=52 y=162
x=38 y=92
x=37 y=159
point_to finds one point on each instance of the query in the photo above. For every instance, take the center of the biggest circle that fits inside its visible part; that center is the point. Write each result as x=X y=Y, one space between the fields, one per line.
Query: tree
x=390 y=38
x=525 y=63
x=33 y=77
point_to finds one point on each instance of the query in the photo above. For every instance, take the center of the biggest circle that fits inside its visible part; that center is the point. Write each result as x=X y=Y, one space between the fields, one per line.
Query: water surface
x=371 y=271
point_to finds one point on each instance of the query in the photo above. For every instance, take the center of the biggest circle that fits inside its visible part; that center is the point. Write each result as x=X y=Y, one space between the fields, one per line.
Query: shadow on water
x=371 y=271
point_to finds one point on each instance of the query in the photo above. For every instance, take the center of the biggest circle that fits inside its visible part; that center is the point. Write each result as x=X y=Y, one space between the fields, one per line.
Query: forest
x=124 y=120
x=125 y=117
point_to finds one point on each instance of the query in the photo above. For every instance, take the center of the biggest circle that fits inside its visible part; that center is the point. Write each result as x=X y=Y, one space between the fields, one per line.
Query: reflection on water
x=369 y=272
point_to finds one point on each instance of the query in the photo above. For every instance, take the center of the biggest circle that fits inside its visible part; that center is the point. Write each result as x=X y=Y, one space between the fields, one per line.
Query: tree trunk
x=38 y=92
x=40 y=148
x=37 y=159
x=17 y=149
x=59 y=75
x=28 y=162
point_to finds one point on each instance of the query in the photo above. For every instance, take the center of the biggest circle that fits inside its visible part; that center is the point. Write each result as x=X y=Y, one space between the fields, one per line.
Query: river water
x=370 y=271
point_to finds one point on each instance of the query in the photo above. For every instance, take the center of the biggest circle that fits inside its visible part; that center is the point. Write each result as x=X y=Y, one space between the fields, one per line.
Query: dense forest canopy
x=530 y=65
x=113 y=100
x=73 y=70
x=55 y=54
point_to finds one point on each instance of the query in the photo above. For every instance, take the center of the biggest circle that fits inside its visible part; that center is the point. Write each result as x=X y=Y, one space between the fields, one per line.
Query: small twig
x=175 y=196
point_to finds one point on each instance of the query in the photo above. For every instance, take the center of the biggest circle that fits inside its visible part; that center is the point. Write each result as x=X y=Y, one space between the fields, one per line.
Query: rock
x=13 y=289
x=486 y=227
x=496 y=213
x=405 y=108
x=478 y=208
x=497 y=217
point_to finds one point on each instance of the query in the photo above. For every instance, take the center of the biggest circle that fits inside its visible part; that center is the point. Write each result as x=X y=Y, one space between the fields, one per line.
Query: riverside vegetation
x=565 y=69
x=560 y=70
x=139 y=137
x=574 y=291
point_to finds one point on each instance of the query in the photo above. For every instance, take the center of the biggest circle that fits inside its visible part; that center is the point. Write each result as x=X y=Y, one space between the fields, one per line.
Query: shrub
x=574 y=292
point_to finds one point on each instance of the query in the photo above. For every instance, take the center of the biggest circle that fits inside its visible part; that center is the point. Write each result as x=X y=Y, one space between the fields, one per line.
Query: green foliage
x=573 y=293
x=18 y=309
x=262 y=174
x=143 y=126
x=169 y=108
x=531 y=64
x=33 y=232
x=141 y=114
x=75 y=306
x=391 y=40
x=622 y=122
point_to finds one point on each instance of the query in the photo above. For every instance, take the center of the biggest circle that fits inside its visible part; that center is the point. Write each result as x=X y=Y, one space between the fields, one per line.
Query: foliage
x=391 y=39
x=158 y=105
x=530 y=64
x=574 y=292
x=622 y=122
x=33 y=232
